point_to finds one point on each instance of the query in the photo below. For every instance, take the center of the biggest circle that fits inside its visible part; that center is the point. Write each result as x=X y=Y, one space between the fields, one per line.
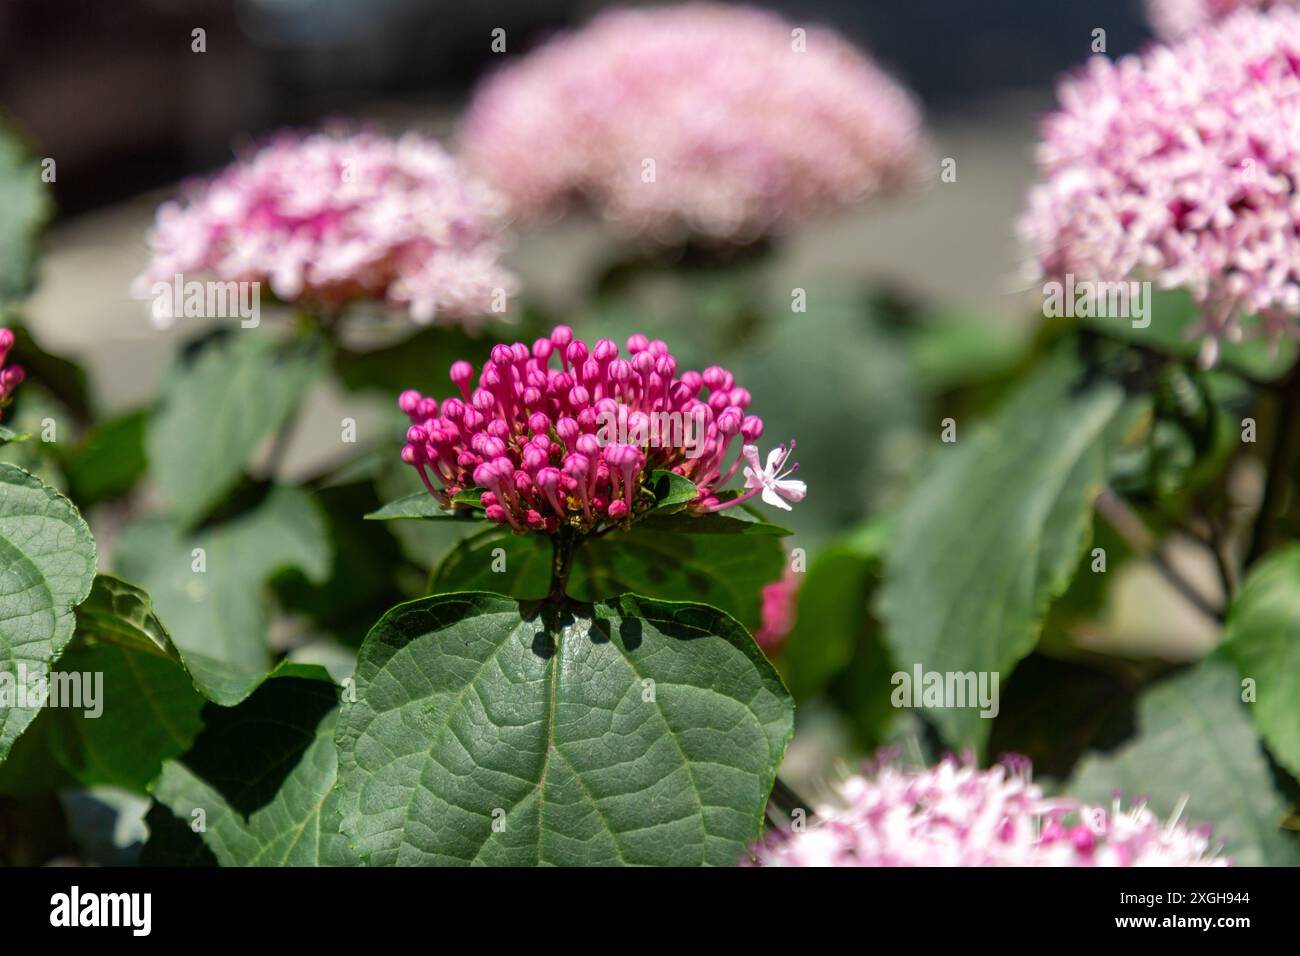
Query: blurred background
x=114 y=93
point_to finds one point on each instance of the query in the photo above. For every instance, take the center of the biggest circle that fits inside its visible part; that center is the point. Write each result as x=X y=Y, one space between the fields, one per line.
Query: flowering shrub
x=328 y=219
x=294 y=611
x=715 y=97
x=1179 y=166
x=955 y=814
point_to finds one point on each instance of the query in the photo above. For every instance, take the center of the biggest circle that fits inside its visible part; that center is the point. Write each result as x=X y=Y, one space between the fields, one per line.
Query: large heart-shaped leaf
x=258 y=781
x=208 y=585
x=995 y=528
x=717 y=560
x=1263 y=639
x=217 y=407
x=486 y=730
x=47 y=564
x=1195 y=742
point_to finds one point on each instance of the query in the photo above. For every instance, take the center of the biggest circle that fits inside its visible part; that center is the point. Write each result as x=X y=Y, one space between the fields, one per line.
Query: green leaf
x=26 y=205
x=423 y=506
x=262 y=775
x=716 y=560
x=1263 y=639
x=995 y=529
x=1195 y=741
x=672 y=491
x=7 y=436
x=47 y=564
x=208 y=585
x=217 y=407
x=110 y=459
x=631 y=731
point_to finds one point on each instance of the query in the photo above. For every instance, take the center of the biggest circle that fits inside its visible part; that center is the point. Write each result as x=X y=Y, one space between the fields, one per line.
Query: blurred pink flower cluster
x=1181 y=166
x=11 y=376
x=325 y=220
x=780 y=604
x=573 y=445
x=724 y=122
x=955 y=814
x=1170 y=19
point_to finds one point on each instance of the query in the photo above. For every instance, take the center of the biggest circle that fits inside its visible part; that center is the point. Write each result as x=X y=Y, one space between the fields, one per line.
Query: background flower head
x=1171 y=19
x=747 y=124
x=1181 y=166
x=954 y=814
x=326 y=219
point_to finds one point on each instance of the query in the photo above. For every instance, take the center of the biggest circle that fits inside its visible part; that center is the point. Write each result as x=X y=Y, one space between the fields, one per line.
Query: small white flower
x=776 y=486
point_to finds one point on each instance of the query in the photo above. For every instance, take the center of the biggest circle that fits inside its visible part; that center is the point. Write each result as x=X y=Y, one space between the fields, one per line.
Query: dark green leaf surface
x=1263 y=639
x=631 y=731
x=262 y=775
x=47 y=564
x=26 y=206
x=109 y=460
x=1195 y=741
x=717 y=560
x=218 y=617
x=995 y=528
x=217 y=408
x=422 y=506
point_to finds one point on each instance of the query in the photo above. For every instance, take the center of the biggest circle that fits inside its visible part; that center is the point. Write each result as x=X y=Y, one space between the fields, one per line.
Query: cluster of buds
x=10 y=376
x=574 y=445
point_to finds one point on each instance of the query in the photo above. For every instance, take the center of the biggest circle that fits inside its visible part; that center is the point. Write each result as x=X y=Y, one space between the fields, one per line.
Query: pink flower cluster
x=326 y=220
x=1172 y=19
x=574 y=445
x=11 y=376
x=702 y=119
x=1181 y=166
x=955 y=814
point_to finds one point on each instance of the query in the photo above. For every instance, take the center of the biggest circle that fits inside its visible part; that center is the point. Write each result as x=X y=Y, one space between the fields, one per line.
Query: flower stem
x=1286 y=441
x=564 y=546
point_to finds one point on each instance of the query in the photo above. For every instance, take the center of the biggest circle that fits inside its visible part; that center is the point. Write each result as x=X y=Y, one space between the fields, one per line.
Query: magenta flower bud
x=620 y=370
x=408 y=401
x=751 y=429
x=636 y=342
x=561 y=336
x=428 y=408
x=12 y=377
x=523 y=483
x=6 y=341
x=714 y=377
x=484 y=400
x=568 y=430
x=605 y=351
x=578 y=396
x=534 y=458
x=534 y=519
x=520 y=353
x=453 y=409
x=472 y=419
x=587 y=420
x=498 y=429
x=740 y=397
x=606 y=406
x=461 y=373
x=539 y=423
x=416 y=435
x=491 y=378
x=532 y=397
x=542 y=349
x=495 y=513
x=666 y=368
x=541 y=440
x=576 y=353
x=411 y=455
x=730 y=420
x=693 y=381
x=503 y=355
x=485 y=475
x=590 y=372
x=589 y=445
x=644 y=363
x=617 y=510
x=577 y=466
x=658 y=347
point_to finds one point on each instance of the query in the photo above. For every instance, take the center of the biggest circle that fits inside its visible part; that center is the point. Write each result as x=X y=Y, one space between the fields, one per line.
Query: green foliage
x=491 y=731
x=26 y=205
x=996 y=526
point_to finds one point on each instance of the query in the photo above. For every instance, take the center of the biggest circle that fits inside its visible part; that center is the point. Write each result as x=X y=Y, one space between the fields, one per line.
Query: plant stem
x=564 y=545
x=785 y=800
x=1128 y=525
x=1286 y=440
